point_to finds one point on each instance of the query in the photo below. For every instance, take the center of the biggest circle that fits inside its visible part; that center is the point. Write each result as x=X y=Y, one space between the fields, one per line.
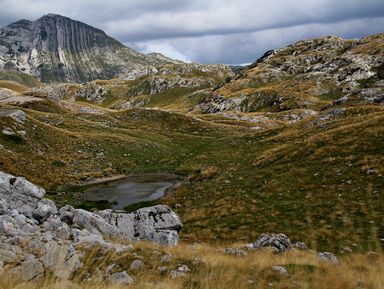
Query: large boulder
x=158 y=223
x=124 y=223
x=25 y=197
x=159 y=217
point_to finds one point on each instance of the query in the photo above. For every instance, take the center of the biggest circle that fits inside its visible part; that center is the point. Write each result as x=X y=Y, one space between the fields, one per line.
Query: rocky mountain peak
x=57 y=48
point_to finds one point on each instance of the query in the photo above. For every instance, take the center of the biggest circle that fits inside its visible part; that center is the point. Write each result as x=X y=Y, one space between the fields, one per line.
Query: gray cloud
x=243 y=48
x=211 y=31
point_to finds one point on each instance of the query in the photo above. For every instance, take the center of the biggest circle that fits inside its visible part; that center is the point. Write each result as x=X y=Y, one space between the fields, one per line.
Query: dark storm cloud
x=211 y=31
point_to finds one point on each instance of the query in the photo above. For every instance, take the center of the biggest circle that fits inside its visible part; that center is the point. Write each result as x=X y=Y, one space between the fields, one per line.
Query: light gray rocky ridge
x=40 y=238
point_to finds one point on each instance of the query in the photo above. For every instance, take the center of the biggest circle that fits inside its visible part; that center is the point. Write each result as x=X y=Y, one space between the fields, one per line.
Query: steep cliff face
x=56 y=48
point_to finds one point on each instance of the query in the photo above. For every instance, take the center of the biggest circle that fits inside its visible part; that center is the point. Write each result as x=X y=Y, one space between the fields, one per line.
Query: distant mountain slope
x=309 y=74
x=56 y=48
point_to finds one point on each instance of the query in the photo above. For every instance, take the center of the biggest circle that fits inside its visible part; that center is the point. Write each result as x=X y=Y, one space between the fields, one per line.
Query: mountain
x=58 y=49
x=308 y=75
x=292 y=143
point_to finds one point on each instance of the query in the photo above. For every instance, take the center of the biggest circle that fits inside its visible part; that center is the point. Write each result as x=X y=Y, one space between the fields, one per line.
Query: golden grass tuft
x=212 y=269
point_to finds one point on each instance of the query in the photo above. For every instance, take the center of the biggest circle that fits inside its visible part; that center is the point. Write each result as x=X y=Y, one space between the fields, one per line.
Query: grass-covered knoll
x=23 y=79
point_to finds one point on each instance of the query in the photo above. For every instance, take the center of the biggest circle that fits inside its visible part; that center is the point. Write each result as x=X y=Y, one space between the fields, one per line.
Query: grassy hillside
x=286 y=146
x=319 y=181
x=20 y=81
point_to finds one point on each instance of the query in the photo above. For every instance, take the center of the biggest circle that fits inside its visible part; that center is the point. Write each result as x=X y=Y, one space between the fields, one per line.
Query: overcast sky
x=210 y=31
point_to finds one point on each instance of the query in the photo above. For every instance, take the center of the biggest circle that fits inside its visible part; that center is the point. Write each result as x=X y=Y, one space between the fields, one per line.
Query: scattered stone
x=109 y=269
x=328 y=257
x=178 y=206
x=371 y=171
x=235 y=251
x=8 y=131
x=278 y=242
x=184 y=268
x=346 y=250
x=137 y=265
x=176 y=274
x=280 y=270
x=16 y=114
x=180 y=272
x=162 y=269
x=121 y=278
x=197 y=261
x=165 y=259
x=300 y=246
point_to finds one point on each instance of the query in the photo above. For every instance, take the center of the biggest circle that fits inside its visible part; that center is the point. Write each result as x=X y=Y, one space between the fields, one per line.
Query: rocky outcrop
x=38 y=238
x=305 y=74
x=278 y=242
x=16 y=114
x=56 y=48
x=92 y=92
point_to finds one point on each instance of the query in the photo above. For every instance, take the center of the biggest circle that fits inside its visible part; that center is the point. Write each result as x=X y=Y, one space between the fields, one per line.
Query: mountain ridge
x=55 y=48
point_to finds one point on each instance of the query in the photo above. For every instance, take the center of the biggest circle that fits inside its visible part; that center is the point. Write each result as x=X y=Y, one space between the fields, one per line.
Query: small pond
x=130 y=190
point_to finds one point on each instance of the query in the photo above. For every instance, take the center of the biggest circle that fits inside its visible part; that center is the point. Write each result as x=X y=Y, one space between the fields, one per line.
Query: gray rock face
x=62 y=260
x=278 y=242
x=158 y=223
x=34 y=235
x=92 y=92
x=16 y=114
x=25 y=197
x=56 y=48
x=31 y=269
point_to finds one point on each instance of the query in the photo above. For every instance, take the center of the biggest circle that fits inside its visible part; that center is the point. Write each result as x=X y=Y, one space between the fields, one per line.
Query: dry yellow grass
x=211 y=268
x=12 y=85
